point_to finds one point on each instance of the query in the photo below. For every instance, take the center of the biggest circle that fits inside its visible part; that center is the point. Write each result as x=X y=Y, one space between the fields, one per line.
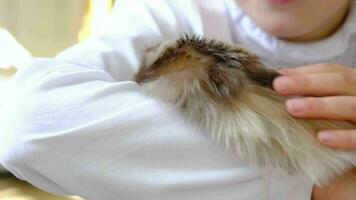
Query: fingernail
x=296 y=106
x=282 y=84
x=326 y=137
x=285 y=71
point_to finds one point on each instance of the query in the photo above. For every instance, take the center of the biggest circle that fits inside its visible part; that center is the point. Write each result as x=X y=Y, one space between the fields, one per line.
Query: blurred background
x=45 y=27
x=41 y=28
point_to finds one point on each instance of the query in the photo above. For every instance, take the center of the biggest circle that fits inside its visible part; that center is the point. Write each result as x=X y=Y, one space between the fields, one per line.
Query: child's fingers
x=316 y=84
x=334 y=108
x=338 y=138
x=313 y=69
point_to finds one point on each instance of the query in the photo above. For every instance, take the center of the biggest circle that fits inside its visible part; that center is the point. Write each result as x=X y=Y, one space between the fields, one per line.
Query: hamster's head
x=197 y=67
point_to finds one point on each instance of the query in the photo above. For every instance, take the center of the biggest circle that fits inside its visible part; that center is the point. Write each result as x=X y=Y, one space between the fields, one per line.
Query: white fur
x=259 y=130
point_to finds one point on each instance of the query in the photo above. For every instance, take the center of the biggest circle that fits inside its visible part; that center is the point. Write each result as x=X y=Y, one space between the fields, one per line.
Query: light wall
x=44 y=27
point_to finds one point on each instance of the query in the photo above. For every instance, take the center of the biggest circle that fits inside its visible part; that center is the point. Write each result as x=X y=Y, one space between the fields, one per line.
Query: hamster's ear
x=261 y=75
x=222 y=83
x=144 y=75
x=252 y=67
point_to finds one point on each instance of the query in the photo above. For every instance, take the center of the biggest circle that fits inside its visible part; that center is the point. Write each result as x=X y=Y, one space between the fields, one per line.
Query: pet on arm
x=226 y=91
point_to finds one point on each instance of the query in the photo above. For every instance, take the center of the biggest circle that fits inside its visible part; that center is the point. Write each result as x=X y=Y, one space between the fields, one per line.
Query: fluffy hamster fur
x=225 y=90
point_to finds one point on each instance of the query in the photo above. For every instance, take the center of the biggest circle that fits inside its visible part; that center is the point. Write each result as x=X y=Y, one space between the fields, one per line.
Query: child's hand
x=330 y=93
x=342 y=188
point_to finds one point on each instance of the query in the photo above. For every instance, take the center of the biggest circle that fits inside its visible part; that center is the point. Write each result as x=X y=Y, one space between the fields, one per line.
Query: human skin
x=342 y=188
x=297 y=20
x=325 y=91
x=333 y=88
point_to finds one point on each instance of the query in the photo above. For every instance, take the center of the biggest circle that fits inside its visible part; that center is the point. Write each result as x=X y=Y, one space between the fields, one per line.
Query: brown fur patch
x=227 y=67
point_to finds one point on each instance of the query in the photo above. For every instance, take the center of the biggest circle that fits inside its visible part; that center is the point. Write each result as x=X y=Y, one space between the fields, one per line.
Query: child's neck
x=326 y=29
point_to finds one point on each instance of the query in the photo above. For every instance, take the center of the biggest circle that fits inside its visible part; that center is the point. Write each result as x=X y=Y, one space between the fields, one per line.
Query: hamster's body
x=225 y=90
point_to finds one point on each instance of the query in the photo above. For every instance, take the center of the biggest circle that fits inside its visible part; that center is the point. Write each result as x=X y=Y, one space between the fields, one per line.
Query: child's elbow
x=14 y=157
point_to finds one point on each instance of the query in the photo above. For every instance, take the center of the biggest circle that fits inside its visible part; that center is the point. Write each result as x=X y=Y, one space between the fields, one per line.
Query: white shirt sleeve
x=77 y=125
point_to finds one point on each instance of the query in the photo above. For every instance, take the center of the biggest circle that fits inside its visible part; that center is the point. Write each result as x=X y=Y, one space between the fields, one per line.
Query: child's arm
x=77 y=125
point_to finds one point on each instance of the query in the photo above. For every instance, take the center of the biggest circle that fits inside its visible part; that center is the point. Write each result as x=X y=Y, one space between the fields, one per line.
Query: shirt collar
x=265 y=45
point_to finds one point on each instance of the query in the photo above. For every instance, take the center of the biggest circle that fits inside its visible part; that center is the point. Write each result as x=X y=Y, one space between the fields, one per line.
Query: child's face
x=292 y=18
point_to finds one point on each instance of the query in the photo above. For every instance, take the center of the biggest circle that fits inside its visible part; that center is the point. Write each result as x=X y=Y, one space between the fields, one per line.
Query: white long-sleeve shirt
x=77 y=125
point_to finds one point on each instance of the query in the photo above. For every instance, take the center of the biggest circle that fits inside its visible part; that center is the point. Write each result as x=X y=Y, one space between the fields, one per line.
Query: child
x=77 y=124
